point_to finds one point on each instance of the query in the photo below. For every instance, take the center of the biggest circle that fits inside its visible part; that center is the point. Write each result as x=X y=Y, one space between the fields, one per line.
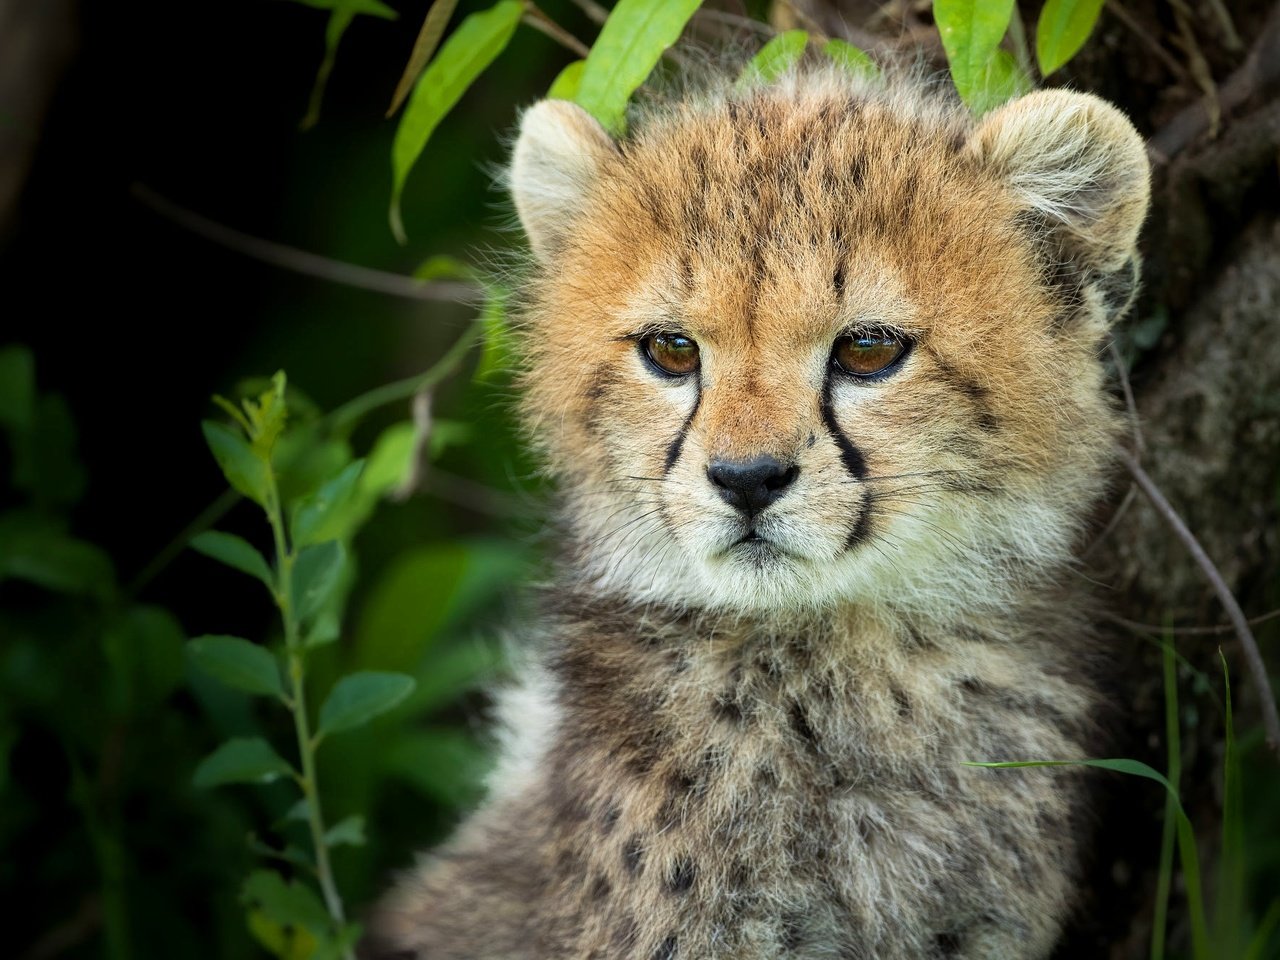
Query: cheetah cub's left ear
x=1078 y=163
x=558 y=157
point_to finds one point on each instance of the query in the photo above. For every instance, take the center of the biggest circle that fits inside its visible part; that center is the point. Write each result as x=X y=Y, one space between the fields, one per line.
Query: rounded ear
x=1079 y=164
x=557 y=159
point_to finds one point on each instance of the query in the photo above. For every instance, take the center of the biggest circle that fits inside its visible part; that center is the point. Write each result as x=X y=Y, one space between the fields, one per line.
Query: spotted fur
x=729 y=748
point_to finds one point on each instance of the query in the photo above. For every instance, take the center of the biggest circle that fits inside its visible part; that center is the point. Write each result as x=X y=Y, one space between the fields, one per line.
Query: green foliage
x=358 y=698
x=1062 y=30
x=971 y=31
x=567 y=82
x=850 y=57
x=775 y=58
x=630 y=44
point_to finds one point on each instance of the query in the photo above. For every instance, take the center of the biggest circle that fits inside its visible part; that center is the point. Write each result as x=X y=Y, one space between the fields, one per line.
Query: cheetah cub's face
x=811 y=343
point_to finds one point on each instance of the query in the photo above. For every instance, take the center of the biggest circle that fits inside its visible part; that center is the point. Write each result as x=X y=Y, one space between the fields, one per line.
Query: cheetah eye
x=868 y=354
x=673 y=354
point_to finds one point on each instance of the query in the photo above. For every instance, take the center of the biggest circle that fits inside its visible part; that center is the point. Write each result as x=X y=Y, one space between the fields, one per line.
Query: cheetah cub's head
x=813 y=344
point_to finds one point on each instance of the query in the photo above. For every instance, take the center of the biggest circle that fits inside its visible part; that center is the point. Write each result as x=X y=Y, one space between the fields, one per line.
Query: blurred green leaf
x=1003 y=81
x=243 y=469
x=38 y=552
x=775 y=58
x=371 y=7
x=235 y=552
x=143 y=648
x=1062 y=30
x=389 y=462
x=433 y=25
x=348 y=831
x=494 y=355
x=242 y=760
x=453 y=672
x=630 y=45
x=315 y=575
x=850 y=58
x=971 y=30
x=444 y=267
x=326 y=628
x=324 y=514
x=293 y=904
x=444 y=764
x=45 y=463
x=358 y=698
x=304 y=462
x=468 y=51
x=567 y=82
x=17 y=388
x=238 y=663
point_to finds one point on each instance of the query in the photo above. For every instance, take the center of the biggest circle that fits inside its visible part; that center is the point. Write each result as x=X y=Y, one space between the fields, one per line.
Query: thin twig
x=733 y=20
x=1215 y=631
x=1124 y=16
x=422 y=424
x=594 y=12
x=1252 y=656
x=535 y=18
x=304 y=262
x=1140 y=444
x=1114 y=522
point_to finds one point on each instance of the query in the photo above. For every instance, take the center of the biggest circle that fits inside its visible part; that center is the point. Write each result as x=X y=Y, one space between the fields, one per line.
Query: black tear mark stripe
x=854 y=462
x=978 y=396
x=677 y=444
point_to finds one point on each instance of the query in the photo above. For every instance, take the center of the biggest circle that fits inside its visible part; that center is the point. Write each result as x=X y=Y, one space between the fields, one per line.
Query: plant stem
x=298 y=707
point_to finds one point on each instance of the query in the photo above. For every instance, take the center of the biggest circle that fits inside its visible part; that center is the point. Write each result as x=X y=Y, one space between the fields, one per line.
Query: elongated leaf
x=971 y=30
x=850 y=58
x=629 y=46
x=428 y=39
x=246 y=473
x=775 y=58
x=315 y=575
x=242 y=760
x=371 y=7
x=1133 y=767
x=1063 y=28
x=52 y=560
x=17 y=388
x=323 y=515
x=495 y=354
x=1230 y=919
x=235 y=552
x=567 y=82
x=468 y=51
x=358 y=698
x=349 y=831
x=1002 y=81
x=292 y=904
x=238 y=663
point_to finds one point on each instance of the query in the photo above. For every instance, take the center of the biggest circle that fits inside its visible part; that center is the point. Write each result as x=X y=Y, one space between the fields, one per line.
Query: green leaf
x=17 y=388
x=451 y=673
x=629 y=46
x=444 y=267
x=349 y=831
x=242 y=760
x=850 y=58
x=235 y=552
x=371 y=7
x=238 y=663
x=45 y=462
x=292 y=904
x=358 y=698
x=428 y=39
x=53 y=560
x=1063 y=28
x=244 y=470
x=323 y=515
x=443 y=763
x=465 y=55
x=315 y=576
x=143 y=649
x=567 y=82
x=971 y=30
x=1002 y=81
x=775 y=58
x=1132 y=767
x=495 y=355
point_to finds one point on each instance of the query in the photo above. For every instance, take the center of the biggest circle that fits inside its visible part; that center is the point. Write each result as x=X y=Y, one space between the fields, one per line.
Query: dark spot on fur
x=813 y=438
x=767 y=775
x=667 y=949
x=946 y=945
x=837 y=281
x=633 y=855
x=609 y=819
x=727 y=709
x=625 y=933
x=792 y=932
x=902 y=700
x=683 y=873
x=803 y=729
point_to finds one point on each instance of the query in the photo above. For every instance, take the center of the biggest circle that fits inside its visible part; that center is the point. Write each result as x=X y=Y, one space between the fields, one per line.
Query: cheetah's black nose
x=751 y=485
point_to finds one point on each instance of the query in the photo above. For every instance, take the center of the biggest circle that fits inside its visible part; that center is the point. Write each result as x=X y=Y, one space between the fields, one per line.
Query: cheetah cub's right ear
x=1079 y=164
x=558 y=157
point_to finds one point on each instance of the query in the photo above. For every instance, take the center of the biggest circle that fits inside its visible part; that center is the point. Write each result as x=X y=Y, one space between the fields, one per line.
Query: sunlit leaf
x=630 y=44
x=238 y=663
x=463 y=57
x=349 y=831
x=775 y=58
x=1002 y=81
x=428 y=39
x=494 y=355
x=324 y=514
x=315 y=575
x=358 y=698
x=235 y=552
x=567 y=82
x=1062 y=30
x=244 y=470
x=850 y=57
x=292 y=904
x=971 y=30
x=242 y=760
x=444 y=267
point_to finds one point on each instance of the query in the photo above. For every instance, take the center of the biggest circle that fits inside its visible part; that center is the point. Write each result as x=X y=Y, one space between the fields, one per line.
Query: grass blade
x=428 y=39
x=971 y=30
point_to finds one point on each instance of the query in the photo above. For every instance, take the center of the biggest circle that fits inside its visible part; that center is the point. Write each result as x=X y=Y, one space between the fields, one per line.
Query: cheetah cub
x=816 y=366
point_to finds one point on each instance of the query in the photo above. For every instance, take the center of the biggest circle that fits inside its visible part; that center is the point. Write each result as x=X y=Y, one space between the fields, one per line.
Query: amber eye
x=866 y=354
x=672 y=353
